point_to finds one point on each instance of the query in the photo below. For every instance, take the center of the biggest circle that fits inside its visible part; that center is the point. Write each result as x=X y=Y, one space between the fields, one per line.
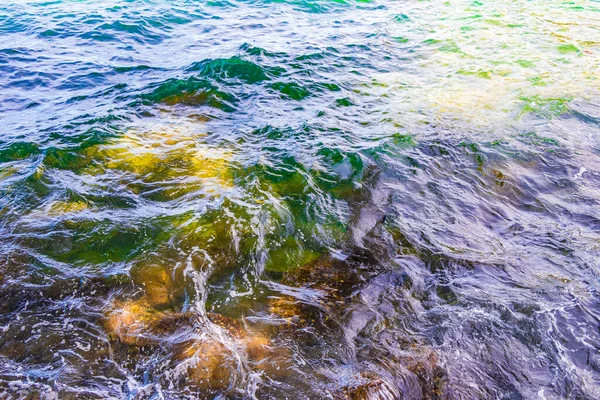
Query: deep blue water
x=299 y=199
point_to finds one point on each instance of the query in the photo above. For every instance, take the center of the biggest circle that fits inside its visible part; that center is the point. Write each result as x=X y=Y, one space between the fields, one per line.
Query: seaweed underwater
x=299 y=199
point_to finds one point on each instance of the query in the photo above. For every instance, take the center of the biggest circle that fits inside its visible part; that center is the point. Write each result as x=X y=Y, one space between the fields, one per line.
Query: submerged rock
x=252 y=350
x=162 y=287
x=286 y=307
x=335 y=279
x=223 y=346
x=134 y=322
x=371 y=389
x=209 y=364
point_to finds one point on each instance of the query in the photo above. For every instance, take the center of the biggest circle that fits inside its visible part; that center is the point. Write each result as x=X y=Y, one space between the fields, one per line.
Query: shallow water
x=300 y=199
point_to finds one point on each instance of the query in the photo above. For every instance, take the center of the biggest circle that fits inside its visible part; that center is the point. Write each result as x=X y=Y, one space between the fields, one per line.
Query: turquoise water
x=301 y=200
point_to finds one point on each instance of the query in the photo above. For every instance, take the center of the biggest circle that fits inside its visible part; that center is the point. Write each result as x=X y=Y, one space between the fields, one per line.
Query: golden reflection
x=485 y=64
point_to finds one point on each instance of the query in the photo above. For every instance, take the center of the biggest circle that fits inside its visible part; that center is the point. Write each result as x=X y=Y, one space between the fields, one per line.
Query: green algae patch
x=568 y=48
x=226 y=235
x=345 y=102
x=473 y=149
x=525 y=63
x=232 y=69
x=289 y=255
x=18 y=151
x=537 y=81
x=191 y=92
x=347 y=166
x=533 y=138
x=545 y=106
x=85 y=242
x=403 y=140
x=445 y=46
x=479 y=73
x=292 y=90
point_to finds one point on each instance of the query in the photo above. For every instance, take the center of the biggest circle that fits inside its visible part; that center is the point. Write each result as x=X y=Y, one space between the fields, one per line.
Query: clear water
x=300 y=199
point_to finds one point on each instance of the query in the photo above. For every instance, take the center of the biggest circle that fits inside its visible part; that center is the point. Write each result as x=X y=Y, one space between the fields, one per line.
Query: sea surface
x=300 y=199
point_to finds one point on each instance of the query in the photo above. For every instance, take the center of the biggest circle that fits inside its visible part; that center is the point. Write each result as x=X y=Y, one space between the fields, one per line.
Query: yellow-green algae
x=169 y=155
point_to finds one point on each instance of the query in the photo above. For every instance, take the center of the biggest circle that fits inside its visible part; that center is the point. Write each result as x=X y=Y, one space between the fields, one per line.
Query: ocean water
x=294 y=199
